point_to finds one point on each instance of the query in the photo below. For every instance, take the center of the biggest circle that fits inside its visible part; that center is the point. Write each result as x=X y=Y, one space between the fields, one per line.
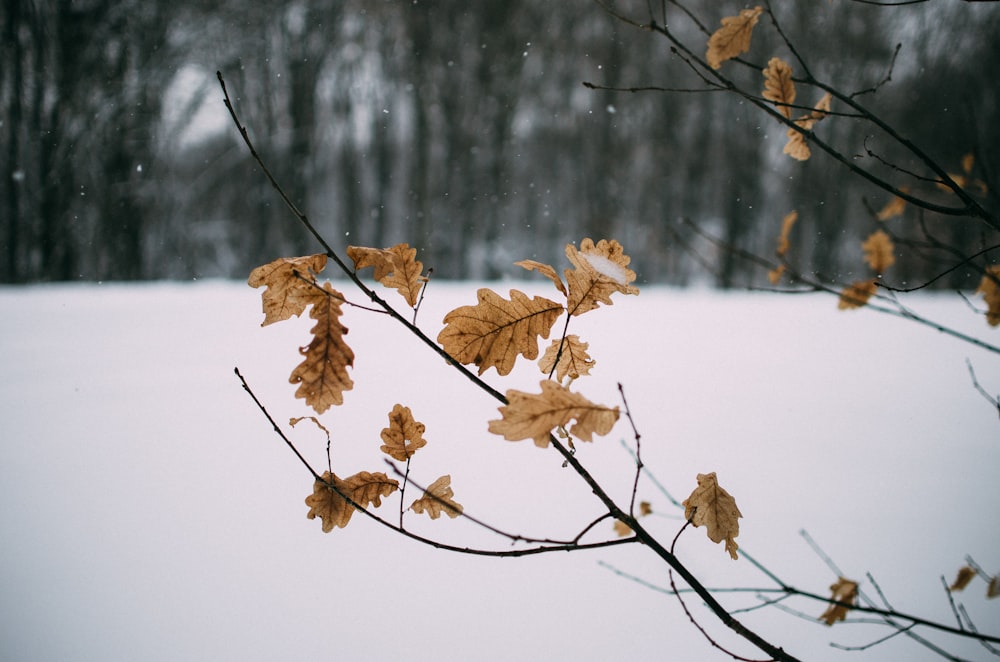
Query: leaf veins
x=778 y=85
x=322 y=376
x=394 y=267
x=493 y=332
x=534 y=416
x=289 y=285
x=715 y=508
x=362 y=488
x=404 y=435
x=573 y=360
x=732 y=38
x=437 y=499
x=600 y=270
x=845 y=591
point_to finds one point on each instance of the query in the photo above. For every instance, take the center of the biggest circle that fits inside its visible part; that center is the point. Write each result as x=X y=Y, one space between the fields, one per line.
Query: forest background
x=461 y=128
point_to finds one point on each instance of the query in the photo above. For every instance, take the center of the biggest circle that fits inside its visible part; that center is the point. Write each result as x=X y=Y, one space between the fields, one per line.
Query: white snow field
x=148 y=511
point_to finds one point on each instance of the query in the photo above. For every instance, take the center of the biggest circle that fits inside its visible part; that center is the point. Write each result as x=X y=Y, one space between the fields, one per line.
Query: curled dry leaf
x=733 y=37
x=711 y=506
x=322 y=376
x=878 y=248
x=844 y=591
x=404 y=435
x=573 y=359
x=495 y=331
x=363 y=489
x=778 y=85
x=786 y=228
x=546 y=270
x=622 y=529
x=857 y=294
x=600 y=270
x=534 y=416
x=991 y=294
x=289 y=285
x=394 y=267
x=437 y=499
x=645 y=508
x=993 y=589
x=965 y=575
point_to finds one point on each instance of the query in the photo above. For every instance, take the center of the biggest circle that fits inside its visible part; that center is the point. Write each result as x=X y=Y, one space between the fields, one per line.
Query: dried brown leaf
x=991 y=294
x=711 y=506
x=778 y=86
x=993 y=588
x=286 y=293
x=495 y=331
x=437 y=499
x=733 y=37
x=394 y=267
x=404 y=435
x=622 y=529
x=573 y=361
x=645 y=508
x=894 y=207
x=797 y=146
x=534 y=416
x=879 y=251
x=600 y=270
x=786 y=228
x=774 y=275
x=845 y=591
x=857 y=294
x=546 y=270
x=362 y=488
x=965 y=575
x=322 y=376
x=968 y=161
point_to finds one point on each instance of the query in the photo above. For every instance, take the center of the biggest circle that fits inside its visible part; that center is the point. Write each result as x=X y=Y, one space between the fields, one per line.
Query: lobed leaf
x=534 y=416
x=495 y=331
x=288 y=285
x=437 y=499
x=878 y=249
x=362 y=488
x=778 y=86
x=844 y=590
x=600 y=270
x=711 y=506
x=396 y=267
x=573 y=359
x=404 y=435
x=733 y=38
x=322 y=376
x=857 y=294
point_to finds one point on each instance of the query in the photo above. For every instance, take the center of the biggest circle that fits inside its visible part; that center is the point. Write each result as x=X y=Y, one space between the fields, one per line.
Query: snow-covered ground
x=148 y=511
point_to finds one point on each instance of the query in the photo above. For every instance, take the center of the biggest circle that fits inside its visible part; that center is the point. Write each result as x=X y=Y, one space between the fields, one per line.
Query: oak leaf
x=786 y=227
x=894 y=207
x=878 y=248
x=774 y=275
x=965 y=575
x=394 y=267
x=322 y=376
x=404 y=435
x=845 y=591
x=733 y=37
x=573 y=358
x=715 y=508
x=797 y=146
x=495 y=331
x=993 y=589
x=546 y=270
x=857 y=294
x=437 y=499
x=991 y=294
x=621 y=528
x=778 y=86
x=362 y=488
x=645 y=508
x=289 y=285
x=600 y=270
x=534 y=416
